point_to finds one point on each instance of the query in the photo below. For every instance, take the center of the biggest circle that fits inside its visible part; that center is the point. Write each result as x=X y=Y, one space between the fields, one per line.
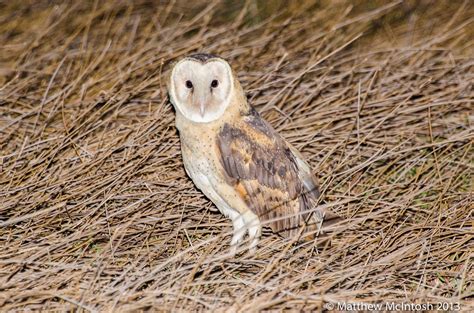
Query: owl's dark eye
x=214 y=83
x=189 y=84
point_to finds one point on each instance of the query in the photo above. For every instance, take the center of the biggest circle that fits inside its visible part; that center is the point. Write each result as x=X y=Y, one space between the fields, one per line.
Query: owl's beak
x=202 y=108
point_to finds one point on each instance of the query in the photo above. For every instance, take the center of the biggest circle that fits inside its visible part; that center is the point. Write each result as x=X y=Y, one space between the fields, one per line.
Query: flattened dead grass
x=97 y=213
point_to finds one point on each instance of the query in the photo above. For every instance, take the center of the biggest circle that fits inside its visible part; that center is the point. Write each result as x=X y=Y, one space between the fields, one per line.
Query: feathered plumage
x=273 y=181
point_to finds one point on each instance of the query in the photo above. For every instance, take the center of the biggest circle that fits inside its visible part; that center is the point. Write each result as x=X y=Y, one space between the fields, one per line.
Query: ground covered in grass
x=97 y=213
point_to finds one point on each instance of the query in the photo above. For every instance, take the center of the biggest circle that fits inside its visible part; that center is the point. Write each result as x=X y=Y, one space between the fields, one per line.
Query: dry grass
x=97 y=213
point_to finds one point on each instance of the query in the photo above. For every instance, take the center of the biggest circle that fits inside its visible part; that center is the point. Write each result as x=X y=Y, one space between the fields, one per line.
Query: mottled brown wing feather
x=264 y=171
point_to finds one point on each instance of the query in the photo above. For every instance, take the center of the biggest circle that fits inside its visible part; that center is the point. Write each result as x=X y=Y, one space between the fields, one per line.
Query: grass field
x=97 y=213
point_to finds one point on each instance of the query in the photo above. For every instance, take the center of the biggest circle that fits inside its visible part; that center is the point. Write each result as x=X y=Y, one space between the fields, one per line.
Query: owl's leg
x=254 y=234
x=239 y=233
x=252 y=223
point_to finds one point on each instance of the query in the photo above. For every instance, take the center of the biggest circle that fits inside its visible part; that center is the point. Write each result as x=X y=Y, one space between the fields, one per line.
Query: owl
x=251 y=173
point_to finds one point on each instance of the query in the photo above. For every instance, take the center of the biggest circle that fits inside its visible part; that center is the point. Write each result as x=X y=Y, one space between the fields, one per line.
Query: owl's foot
x=254 y=228
x=242 y=224
x=239 y=232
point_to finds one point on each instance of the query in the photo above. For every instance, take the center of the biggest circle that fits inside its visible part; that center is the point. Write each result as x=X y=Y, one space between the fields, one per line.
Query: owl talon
x=253 y=250
x=233 y=250
x=255 y=231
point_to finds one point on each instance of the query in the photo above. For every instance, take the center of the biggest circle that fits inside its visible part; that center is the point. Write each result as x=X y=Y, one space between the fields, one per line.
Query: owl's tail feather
x=320 y=225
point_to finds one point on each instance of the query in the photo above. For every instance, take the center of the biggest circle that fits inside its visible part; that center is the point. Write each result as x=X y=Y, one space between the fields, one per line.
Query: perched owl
x=251 y=173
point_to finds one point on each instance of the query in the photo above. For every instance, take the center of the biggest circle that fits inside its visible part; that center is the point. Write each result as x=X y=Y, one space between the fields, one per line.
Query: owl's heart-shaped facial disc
x=201 y=91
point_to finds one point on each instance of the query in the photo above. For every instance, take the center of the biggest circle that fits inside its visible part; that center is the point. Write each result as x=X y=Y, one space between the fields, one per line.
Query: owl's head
x=201 y=87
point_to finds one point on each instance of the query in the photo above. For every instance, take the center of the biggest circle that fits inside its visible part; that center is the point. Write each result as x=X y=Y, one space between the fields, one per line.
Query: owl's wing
x=270 y=176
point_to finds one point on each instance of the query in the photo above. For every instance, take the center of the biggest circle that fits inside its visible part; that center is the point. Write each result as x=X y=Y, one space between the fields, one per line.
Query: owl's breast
x=200 y=163
x=200 y=160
